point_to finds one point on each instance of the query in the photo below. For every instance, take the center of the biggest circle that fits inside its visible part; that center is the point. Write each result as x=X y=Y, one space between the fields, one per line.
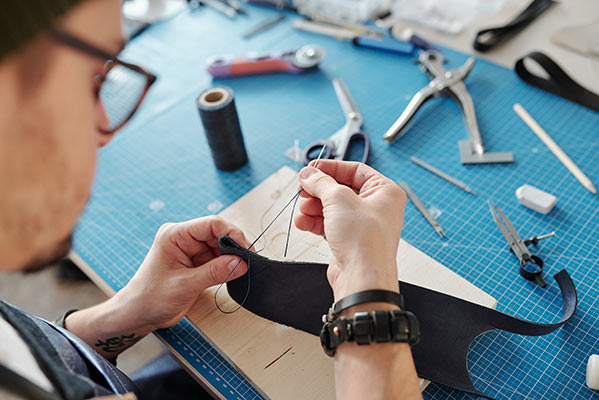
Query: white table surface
x=536 y=36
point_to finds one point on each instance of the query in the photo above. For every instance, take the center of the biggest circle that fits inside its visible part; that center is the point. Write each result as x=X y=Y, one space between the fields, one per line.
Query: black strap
x=367 y=296
x=490 y=37
x=558 y=83
x=60 y=321
x=15 y=383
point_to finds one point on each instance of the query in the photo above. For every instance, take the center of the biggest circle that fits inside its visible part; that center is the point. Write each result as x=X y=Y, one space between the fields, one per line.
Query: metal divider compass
x=531 y=266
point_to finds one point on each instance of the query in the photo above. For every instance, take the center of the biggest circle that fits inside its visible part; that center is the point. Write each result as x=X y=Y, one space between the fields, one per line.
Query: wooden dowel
x=555 y=149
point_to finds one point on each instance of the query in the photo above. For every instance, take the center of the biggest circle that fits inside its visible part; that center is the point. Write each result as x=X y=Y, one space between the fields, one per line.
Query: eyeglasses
x=121 y=87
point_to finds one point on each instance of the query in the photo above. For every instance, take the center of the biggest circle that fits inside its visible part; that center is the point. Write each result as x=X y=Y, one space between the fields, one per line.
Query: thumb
x=219 y=270
x=317 y=183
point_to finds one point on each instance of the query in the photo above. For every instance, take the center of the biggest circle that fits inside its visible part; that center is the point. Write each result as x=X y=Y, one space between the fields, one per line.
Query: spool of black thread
x=221 y=124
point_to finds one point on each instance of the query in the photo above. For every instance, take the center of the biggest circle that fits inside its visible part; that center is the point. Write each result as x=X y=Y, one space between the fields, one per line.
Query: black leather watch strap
x=365 y=328
x=61 y=321
x=488 y=38
x=366 y=296
x=558 y=82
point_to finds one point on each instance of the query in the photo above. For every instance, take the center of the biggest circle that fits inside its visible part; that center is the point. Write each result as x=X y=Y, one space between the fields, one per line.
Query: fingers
x=218 y=270
x=310 y=217
x=311 y=207
x=317 y=183
x=200 y=235
x=314 y=225
x=353 y=174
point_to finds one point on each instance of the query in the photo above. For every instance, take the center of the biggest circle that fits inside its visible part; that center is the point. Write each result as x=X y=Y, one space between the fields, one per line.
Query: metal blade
x=347 y=102
x=509 y=224
x=509 y=232
x=510 y=239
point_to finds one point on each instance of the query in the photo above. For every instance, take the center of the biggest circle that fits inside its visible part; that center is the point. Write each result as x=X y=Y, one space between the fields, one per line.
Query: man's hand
x=183 y=261
x=360 y=212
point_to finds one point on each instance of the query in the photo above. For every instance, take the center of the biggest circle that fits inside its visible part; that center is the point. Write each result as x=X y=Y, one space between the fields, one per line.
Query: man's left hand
x=183 y=261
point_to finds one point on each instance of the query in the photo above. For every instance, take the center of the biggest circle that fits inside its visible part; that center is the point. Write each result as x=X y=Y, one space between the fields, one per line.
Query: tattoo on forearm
x=114 y=344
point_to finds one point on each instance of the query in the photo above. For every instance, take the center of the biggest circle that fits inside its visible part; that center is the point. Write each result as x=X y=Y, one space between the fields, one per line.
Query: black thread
x=295 y=197
x=290 y=222
x=221 y=125
x=247 y=293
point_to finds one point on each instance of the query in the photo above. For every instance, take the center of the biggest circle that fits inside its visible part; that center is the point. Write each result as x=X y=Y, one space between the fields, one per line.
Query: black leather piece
x=304 y=290
x=558 y=83
x=298 y=294
x=488 y=38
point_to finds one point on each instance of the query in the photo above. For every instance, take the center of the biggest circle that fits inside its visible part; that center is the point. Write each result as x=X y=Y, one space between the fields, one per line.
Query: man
x=55 y=63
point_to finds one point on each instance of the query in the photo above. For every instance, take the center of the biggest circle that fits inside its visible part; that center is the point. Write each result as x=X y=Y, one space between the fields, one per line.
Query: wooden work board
x=283 y=362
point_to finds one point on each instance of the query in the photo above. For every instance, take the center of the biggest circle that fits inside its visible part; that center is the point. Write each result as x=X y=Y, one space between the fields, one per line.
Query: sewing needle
x=442 y=175
x=422 y=208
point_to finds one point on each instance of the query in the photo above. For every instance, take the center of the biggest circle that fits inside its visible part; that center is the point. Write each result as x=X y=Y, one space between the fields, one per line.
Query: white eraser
x=535 y=199
x=593 y=372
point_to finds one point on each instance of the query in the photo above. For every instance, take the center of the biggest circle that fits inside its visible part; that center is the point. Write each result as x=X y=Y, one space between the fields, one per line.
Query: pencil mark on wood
x=278 y=358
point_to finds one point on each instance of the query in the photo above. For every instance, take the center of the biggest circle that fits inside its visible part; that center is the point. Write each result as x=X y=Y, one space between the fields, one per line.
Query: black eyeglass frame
x=112 y=60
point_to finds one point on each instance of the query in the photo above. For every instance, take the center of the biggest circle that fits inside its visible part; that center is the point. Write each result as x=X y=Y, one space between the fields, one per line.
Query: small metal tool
x=339 y=145
x=422 y=208
x=442 y=174
x=236 y=5
x=263 y=26
x=321 y=28
x=222 y=8
x=357 y=28
x=531 y=266
x=401 y=32
x=292 y=61
x=449 y=82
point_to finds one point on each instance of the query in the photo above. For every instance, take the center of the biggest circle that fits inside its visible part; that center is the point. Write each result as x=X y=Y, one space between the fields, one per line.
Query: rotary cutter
x=293 y=61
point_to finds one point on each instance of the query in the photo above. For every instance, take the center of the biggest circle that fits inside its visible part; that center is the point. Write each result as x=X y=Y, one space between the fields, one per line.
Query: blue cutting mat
x=159 y=169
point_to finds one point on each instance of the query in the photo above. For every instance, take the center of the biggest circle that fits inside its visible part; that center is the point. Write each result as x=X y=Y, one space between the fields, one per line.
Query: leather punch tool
x=531 y=266
x=448 y=82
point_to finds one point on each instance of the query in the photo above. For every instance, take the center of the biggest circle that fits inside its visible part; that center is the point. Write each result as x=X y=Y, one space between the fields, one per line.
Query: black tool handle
x=533 y=275
x=311 y=150
x=486 y=39
x=353 y=140
x=558 y=82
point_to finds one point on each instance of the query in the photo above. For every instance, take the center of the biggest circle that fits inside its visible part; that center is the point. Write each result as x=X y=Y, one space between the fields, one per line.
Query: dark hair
x=22 y=21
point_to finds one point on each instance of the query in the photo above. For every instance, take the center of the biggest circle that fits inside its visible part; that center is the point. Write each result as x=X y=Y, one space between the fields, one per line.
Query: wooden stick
x=555 y=149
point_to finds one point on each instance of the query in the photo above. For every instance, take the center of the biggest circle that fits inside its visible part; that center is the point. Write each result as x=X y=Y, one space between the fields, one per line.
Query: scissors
x=531 y=266
x=339 y=145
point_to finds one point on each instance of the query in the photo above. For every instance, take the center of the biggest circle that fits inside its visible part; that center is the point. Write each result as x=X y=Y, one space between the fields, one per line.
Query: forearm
x=110 y=327
x=375 y=371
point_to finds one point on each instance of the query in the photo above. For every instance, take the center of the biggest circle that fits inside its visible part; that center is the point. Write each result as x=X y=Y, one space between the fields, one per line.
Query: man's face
x=49 y=120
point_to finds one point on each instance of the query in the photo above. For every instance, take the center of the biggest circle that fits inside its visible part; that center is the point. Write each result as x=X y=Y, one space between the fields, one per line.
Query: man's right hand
x=360 y=212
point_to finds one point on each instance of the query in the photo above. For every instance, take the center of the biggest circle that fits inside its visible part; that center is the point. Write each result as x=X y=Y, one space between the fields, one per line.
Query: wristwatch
x=367 y=327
